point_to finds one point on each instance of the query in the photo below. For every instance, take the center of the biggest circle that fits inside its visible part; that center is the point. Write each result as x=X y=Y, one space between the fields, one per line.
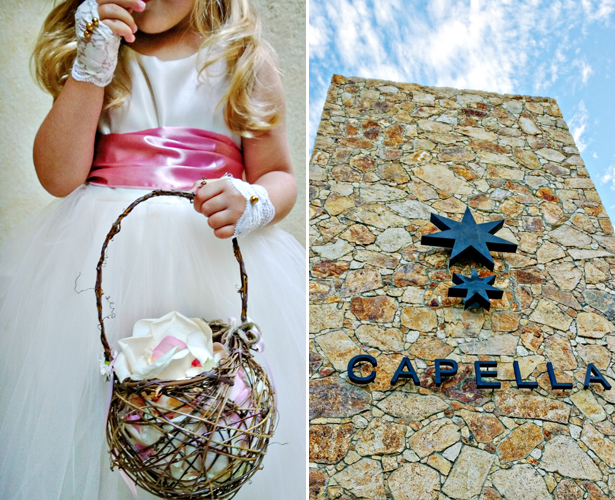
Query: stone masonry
x=386 y=156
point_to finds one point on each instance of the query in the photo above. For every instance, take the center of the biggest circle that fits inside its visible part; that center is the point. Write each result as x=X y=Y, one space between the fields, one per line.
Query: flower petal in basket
x=166 y=344
x=171 y=347
x=240 y=393
x=144 y=435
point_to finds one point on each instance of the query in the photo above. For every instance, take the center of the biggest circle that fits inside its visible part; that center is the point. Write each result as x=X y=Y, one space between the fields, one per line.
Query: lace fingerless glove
x=97 y=47
x=259 y=210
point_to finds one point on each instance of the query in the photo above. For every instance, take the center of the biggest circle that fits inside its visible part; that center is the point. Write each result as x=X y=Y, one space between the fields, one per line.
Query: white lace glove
x=97 y=47
x=259 y=210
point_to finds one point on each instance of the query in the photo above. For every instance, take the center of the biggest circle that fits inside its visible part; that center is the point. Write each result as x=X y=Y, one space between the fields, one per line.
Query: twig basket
x=201 y=444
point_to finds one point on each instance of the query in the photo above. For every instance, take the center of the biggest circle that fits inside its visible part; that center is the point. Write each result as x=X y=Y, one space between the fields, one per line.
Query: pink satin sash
x=164 y=158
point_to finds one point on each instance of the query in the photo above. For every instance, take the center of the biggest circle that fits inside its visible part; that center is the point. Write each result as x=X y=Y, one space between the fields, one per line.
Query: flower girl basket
x=190 y=438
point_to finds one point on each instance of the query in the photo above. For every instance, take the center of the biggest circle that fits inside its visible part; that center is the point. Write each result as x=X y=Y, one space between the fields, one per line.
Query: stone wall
x=386 y=156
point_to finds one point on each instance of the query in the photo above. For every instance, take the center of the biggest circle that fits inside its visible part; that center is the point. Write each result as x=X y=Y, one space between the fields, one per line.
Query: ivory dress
x=52 y=394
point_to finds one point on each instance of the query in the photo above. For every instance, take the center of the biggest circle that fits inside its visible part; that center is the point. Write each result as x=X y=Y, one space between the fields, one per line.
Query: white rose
x=171 y=348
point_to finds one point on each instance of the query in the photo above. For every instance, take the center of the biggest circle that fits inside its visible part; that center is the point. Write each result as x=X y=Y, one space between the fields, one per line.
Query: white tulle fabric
x=97 y=56
x=52 y=395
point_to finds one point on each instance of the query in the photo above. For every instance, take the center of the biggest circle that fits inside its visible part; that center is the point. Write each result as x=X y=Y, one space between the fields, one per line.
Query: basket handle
x=115 y=228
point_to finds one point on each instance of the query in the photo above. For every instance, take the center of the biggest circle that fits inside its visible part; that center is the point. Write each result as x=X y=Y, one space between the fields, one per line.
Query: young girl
x=189 y=96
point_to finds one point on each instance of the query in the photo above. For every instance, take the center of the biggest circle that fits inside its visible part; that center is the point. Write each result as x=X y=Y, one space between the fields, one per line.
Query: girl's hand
x=116 y=14
x=222 y=204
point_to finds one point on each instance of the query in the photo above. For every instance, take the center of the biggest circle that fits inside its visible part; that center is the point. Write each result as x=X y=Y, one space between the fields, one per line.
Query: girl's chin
x=152 y=28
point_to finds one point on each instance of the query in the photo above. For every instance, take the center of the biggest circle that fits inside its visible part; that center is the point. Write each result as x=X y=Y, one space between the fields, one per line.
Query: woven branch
x=204 y=446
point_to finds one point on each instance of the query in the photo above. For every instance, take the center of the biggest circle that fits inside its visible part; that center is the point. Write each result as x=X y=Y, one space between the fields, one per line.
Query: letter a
x=408 y=373
x=593 y=376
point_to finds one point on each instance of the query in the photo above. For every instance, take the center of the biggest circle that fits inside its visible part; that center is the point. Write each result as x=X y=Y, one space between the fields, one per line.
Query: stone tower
x=386 y=157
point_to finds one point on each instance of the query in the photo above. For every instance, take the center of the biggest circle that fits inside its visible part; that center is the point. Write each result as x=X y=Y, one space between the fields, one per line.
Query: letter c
x=358 y=359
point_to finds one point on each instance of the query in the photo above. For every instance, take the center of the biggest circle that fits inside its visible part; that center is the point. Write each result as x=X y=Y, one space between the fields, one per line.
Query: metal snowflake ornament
x=469 y=239
x=476 y=290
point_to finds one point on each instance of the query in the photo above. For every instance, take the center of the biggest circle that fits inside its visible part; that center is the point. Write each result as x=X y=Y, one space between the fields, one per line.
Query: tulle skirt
x=52 y=395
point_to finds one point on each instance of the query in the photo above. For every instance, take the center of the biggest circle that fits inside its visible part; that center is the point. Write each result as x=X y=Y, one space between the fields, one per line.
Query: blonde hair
x=232 y=33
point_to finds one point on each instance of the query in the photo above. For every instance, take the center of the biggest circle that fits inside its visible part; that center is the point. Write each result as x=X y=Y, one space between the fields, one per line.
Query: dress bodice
x=170 y=132
x=170 y=94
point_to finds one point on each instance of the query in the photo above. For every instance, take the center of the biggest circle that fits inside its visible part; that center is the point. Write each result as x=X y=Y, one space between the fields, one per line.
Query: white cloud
x=585 y=70
x=557 y=62
x=387 y=11
x=598 y=11
x=318 y=36
x=577 y=125
x=316 y=107
x=609 y=177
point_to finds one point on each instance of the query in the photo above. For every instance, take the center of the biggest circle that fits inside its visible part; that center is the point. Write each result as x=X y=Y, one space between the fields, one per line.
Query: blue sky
x=563 y=49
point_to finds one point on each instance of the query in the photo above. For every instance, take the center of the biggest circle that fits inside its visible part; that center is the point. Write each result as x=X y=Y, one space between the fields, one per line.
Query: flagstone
x=381 y=437
x=501 y=345
x=361 y=280
x=442 y=178
x=436 y=436
x=338 y=348
x=463 y=323
x=547 y=313
x=559 y=351
x=519 y=404
x=393 y=239
x=602 y=446
x=563 y=455
x=484 y=426
x=568 y=490
x=388 y=157
x=586 y=402
x=389 y=339
x=597 y=355
x=521 y=482
x=380 y=309
x=364 y=479
x=469 y=473
x=332 y=397
x=520 y=442
x=593 y=325
x=429 y=347
x=329 y=443
x=414 y=482
x=412 y=406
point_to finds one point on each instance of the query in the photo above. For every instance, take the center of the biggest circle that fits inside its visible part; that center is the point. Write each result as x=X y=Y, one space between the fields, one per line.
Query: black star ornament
x=477 y=291
x=469 y=239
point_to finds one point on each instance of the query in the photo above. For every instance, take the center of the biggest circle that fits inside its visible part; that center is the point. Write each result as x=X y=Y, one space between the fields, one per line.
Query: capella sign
x=467 y=239
x=483 y=370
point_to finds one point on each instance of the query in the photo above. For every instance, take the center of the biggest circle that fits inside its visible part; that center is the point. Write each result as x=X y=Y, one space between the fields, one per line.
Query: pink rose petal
x=240 y=391
x=144 y=451
x=166 y=344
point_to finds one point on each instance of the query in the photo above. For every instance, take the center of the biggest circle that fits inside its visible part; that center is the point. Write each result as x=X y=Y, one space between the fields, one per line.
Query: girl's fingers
x=113 y=12
x=214 y=205
x=206 y=193
x=121 y=29
x=225 y=232
x=222 y=219
x=137 y=5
